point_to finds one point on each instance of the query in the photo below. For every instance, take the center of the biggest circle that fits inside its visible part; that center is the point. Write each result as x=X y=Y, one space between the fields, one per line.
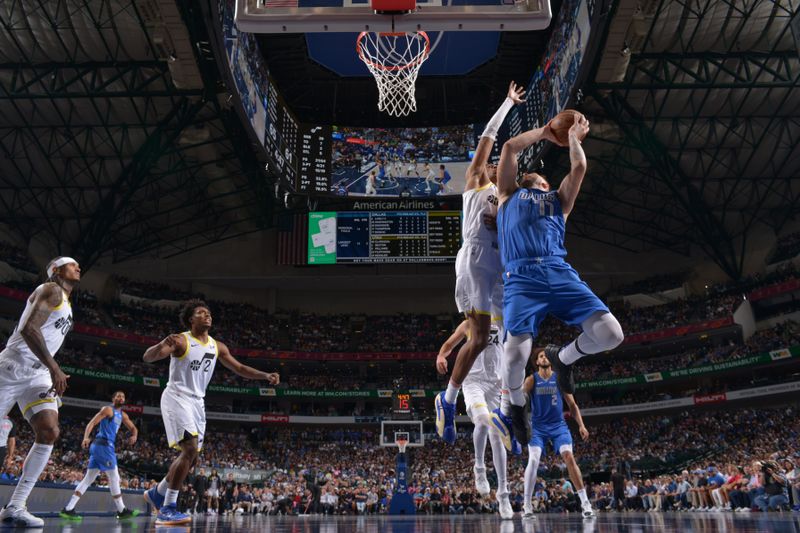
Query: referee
x=8 y=442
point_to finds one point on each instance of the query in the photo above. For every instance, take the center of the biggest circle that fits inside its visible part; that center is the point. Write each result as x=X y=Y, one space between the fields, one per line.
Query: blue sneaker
x=445 y=419
x=155 y=499
x=170 y=516
x=502 y=424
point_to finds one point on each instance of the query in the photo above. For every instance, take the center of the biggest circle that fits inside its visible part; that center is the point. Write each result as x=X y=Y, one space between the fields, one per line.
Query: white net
x=394 y=59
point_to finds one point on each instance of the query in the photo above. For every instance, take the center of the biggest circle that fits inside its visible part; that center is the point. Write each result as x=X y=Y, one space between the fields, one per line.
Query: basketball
x=561 y=124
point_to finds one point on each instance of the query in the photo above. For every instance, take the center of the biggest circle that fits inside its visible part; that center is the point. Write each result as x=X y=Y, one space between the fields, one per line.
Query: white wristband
x=496 y=121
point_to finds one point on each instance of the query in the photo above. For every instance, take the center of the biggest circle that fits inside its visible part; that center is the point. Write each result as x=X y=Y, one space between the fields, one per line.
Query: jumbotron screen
x=383 y=237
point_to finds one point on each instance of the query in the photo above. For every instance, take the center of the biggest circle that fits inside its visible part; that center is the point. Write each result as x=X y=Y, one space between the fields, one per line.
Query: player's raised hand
x=584 y=432
x=580 y=128
x=516 y=93
x=273 y=378
x=172 y=341
x=441 y=363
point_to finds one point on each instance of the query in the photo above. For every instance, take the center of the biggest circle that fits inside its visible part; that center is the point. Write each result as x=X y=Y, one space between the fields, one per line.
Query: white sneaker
x=19 y=516
x=506 y=512
x=481 y=483
x=588 y=512
x=527 y=513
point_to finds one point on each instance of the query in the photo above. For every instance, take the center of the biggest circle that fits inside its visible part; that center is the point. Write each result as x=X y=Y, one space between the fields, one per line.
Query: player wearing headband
x=31 y=378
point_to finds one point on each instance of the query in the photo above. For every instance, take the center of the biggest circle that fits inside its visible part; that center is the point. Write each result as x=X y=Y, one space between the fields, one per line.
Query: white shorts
x=481 y=396
x=213 y=493
x=479 y=286
x=30 y=389
x=182 y=415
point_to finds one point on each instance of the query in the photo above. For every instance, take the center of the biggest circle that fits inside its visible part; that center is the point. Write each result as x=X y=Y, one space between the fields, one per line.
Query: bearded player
x=478 y=265
x=547 y=418
x=482 y=395
x=103 y=457
x=193 y=355
x=537 y=280
x=31 y=378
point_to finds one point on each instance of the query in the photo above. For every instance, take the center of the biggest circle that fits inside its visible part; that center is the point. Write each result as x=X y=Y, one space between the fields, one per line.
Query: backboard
x=391 y=430
x=310 y=16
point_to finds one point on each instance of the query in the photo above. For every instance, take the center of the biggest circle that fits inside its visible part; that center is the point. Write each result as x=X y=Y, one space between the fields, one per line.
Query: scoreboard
x=383 y=237
x=401 y=406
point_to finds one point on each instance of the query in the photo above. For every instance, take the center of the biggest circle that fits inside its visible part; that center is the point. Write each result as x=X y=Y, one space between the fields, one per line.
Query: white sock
x=451 y=394
x=86 y=482
x=163 y=486
x=171 y=497
x=505 y=402
x=73 y=501
x=31 y=470
x=531 y=471
x=584 y=499
x=516 y=352
x=499 y=460
x=113 y=486
x=569 y=353
x=479 y=437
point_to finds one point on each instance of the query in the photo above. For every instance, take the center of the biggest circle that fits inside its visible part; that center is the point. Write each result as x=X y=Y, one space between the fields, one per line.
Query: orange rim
x=422 y=57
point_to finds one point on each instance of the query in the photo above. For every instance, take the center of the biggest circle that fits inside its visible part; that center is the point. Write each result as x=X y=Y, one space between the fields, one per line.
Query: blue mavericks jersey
x=530 y=224
x=110 y=426
x=547 y=411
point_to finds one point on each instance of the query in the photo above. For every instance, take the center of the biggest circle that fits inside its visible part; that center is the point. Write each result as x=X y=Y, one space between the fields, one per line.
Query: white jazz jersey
x=477 y=203
x=191 y=372
x=487 y=365
x=54 y=331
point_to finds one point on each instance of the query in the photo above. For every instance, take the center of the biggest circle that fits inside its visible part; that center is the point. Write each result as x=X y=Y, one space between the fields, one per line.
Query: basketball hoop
x=394 y=59
x=401 y=444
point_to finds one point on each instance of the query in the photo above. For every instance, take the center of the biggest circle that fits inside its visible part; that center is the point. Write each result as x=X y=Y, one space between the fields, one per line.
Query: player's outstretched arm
x=171 y=344
x=248 y=372
x=449 y=345
x=507 y=167
x=105 y=412
x=569 y=399
x=568 y=191
x=475 y=172
x=45 y=298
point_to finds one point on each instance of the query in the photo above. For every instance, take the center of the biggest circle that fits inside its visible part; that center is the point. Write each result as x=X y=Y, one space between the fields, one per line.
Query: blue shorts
x=532 y=290
x=102 y=457
x=559 y=436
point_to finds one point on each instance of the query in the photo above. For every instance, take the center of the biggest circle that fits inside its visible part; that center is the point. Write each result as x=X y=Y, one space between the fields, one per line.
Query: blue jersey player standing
x=547 y=418
x=102 y=455
x=537 y=280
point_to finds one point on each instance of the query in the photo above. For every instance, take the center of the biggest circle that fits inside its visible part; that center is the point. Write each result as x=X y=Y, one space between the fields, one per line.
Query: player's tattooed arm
x=47 y=297
x=569 y=399
x=449 y=345
x=171 y=344
x=247 y=372
x=571 y=186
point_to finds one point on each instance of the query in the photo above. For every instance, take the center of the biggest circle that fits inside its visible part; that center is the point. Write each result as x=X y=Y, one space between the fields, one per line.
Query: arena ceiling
x=117 y=137
x=695 y=110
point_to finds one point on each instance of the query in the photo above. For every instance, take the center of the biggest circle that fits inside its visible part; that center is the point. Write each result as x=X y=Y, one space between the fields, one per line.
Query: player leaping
x=536 y=278
x=31 y=377
x=193 y=355
x=478 y=265
x=547 y=417
x=102 y=456
x=482 y=395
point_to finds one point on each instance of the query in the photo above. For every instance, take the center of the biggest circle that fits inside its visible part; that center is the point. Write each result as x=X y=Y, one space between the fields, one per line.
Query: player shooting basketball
x=537 y=280
x=478 y=264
